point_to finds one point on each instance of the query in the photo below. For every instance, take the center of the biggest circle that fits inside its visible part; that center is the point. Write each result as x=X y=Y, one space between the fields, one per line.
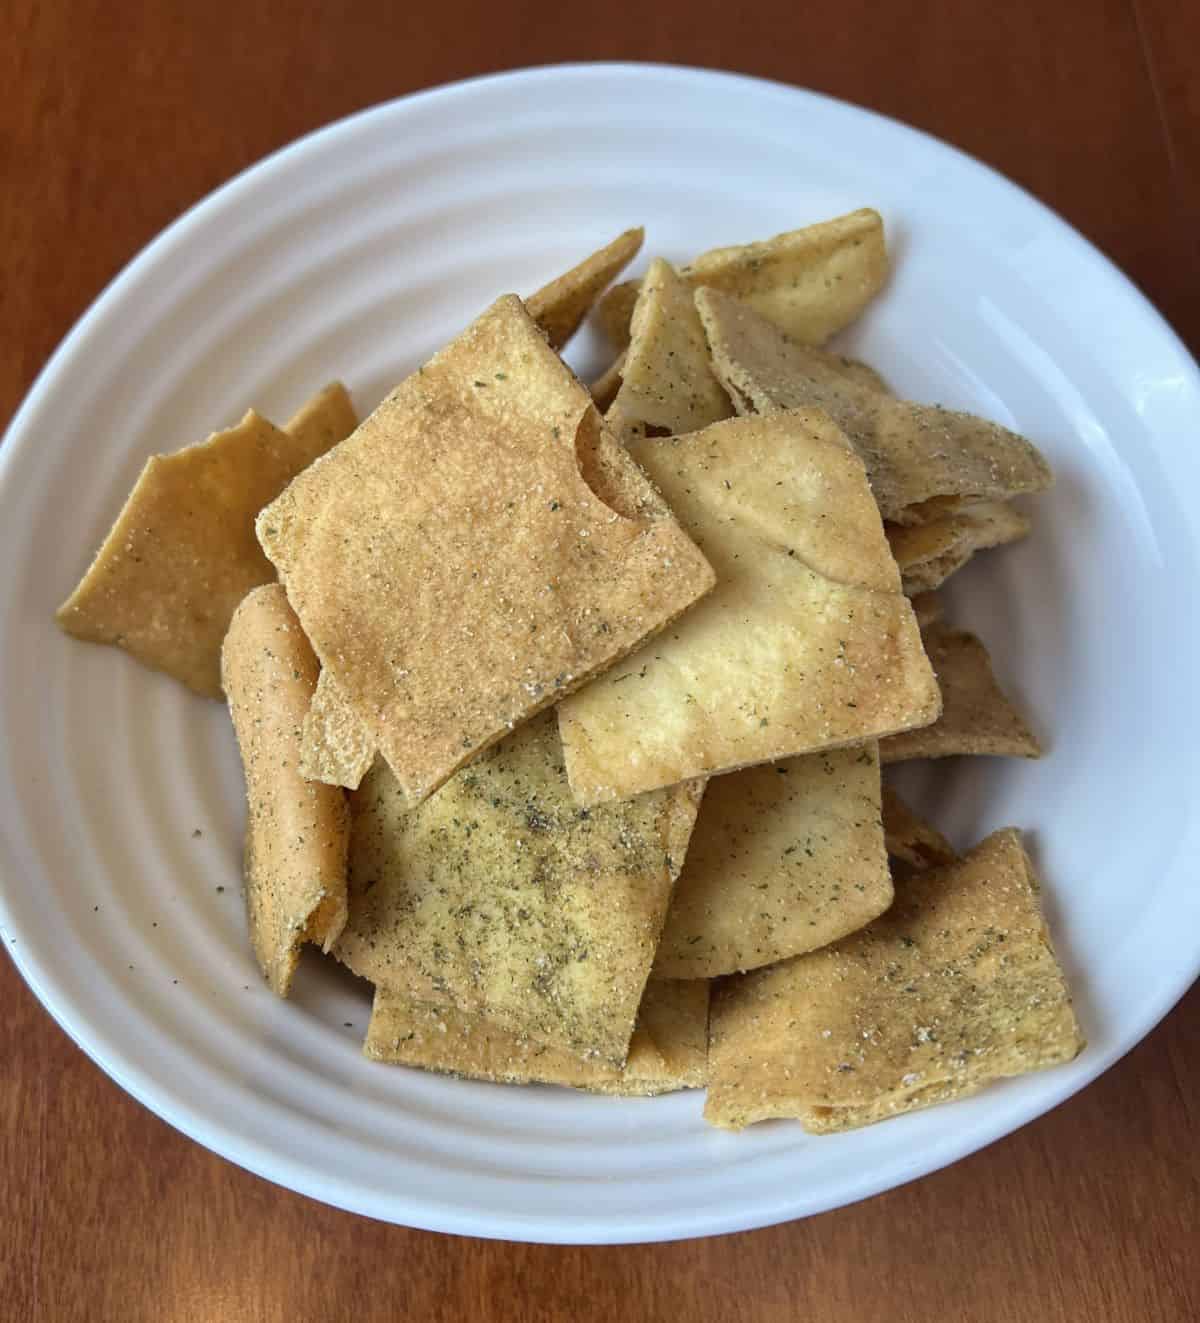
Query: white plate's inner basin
x=357 y=253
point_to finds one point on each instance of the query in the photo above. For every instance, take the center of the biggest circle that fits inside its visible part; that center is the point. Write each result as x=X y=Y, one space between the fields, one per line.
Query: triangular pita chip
x=559 y=307
x=976 y=717
x=296 y=832
x=955 y=986
x=667 y=382
x=500 y=896
x=810 y=282
x=806 y=642
x=928 y=554
x=910 y=840
x=479 y=547
x=335 y=746
x=182 y=554
x=784 y=858
x=914 y=453
x=668 y=1050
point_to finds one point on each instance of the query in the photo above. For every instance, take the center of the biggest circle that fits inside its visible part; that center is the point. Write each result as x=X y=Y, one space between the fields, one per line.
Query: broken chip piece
x=955 y=986
x=805 y=643
x=784 y=858
x=928 y=554
x=479 y=547
x=501 y=897
x=668 y=1050
x=910 y=840
x=296 y=832
x=559 y=307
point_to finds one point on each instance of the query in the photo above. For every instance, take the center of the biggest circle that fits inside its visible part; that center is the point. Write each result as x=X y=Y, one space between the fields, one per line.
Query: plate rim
x=158 y=1095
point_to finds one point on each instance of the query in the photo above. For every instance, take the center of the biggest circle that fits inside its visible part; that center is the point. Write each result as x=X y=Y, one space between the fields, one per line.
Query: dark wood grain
x=116 y=117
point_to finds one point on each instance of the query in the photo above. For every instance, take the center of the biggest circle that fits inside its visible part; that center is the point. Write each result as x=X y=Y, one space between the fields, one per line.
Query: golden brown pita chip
x=500 y=896
x=296 y=832
x=614 y=312
x=604 y=388
x=805 y=643
x=559 y=307
x=810 y=282
x=668 y=1050
x=479 y=547
x=914 y=453
x=182 y=554
x=911 y=840
x=955 y=986
x=928 y=554
x=784 y=858
x=667 y=382
x=976 y=717
x=927 y=607
x=335 y=746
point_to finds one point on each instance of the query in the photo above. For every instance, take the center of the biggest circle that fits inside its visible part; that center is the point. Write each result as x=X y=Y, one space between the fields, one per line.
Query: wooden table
x=117 y=115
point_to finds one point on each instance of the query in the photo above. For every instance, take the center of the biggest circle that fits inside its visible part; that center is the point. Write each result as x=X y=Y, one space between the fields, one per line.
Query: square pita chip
x=784 y=858
x=500 y=897
x=928 y=554
x=478 y=548
x=182 y=554
x=810 y=282
x=667 y=381
x=922 y=460
x=668 y=1051
x=806 y=643
x=977 y=717
x=559 y=307
x=297 y=833
x=955 y=986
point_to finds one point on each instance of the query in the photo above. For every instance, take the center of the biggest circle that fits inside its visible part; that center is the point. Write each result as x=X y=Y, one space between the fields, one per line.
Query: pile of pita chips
x=955 y=986
x=555 y=722
x=806 y=643
x=182 y=554
x=455 y=562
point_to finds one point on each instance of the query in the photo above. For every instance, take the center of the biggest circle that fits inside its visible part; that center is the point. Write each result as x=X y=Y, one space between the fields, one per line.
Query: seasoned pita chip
x=914 y=453
x=479 y=547
x=296 y=833
x=667 y=382
x=559 y=307
x=806 y=642
x=501 y=897
x=955 y=986
x=976 y=717
x=928 y=554
x=784 y=858
x=927 y=607
x=911 y=840
x=668 y=1051
x=810 y=282
x=604 y=389
x=335 y=746
x=182 y=554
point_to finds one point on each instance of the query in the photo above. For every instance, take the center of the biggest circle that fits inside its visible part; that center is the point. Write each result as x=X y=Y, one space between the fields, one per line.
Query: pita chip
x=953 y=987
x=920 y=458
x=500 y=897
x=182 y=554
x=927 y=607
x=614 y=312
x=604 y=389
x=479 y=547
x=559 y=307
x=806 y=642
x=977 y=717
x=928 y=554
x=667 y=382
x=335 y=746
x=296 y=833
x=784 y=858
x=910 y=840
x=668 y=1050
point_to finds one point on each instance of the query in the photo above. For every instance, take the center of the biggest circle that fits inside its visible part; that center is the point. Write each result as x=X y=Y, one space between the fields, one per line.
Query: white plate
x=358 y=251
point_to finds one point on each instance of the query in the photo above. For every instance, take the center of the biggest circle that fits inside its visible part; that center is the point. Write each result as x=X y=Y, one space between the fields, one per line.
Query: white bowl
x=357 y=252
